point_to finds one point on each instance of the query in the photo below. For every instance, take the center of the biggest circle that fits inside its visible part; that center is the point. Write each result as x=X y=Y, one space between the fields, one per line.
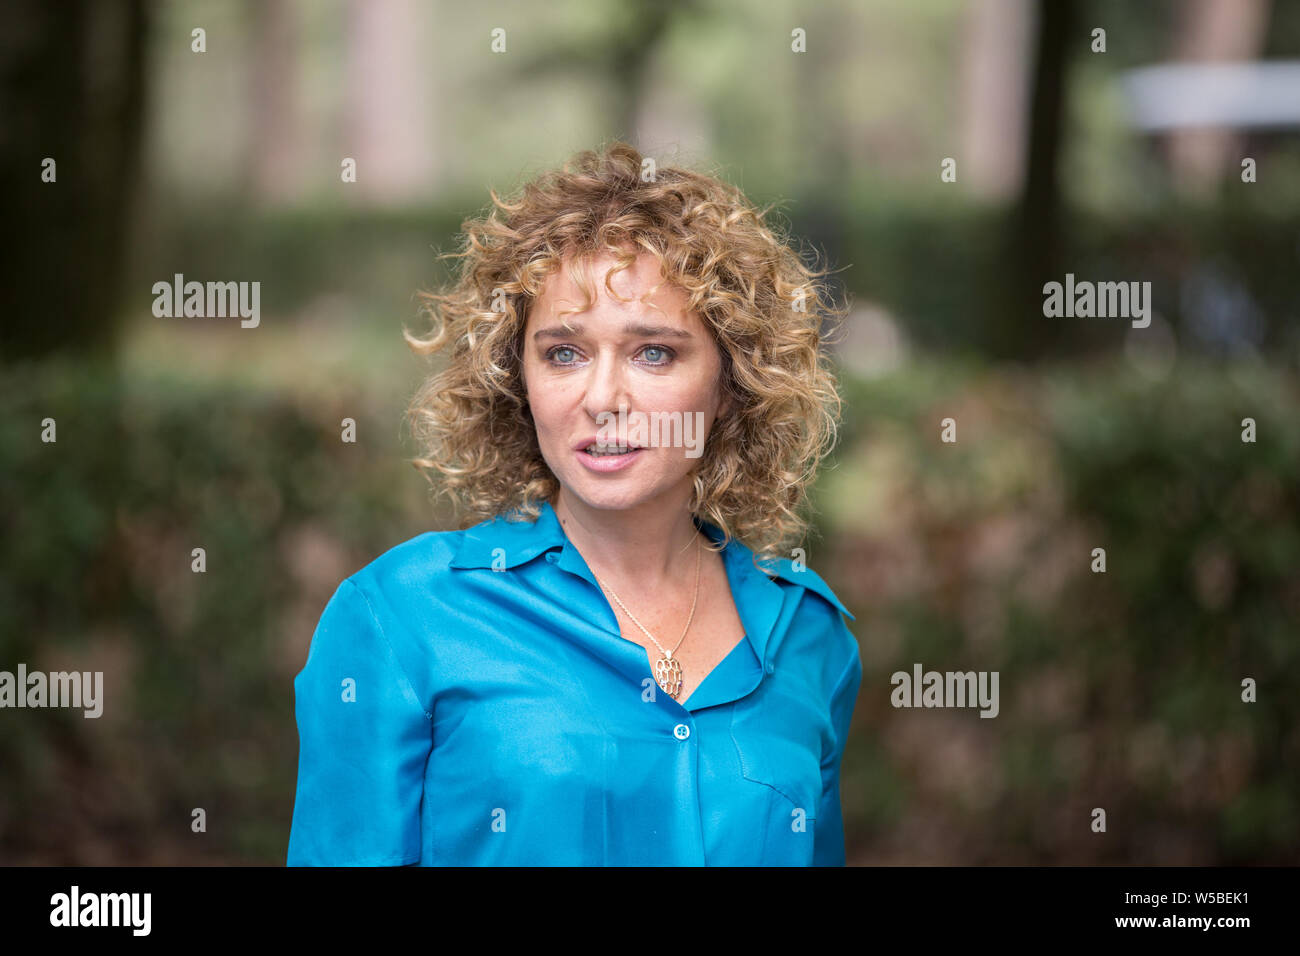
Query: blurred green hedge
x=1120 y=690
x=97 y=567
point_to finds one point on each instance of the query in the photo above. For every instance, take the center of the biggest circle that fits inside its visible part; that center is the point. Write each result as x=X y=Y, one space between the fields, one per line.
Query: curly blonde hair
x=763 y=306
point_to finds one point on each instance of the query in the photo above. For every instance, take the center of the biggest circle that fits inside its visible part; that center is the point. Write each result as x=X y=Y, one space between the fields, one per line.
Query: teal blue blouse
x=468 y=700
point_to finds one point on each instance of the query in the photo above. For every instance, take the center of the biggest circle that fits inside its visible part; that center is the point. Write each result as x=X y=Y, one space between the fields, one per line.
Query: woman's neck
x=650 y=545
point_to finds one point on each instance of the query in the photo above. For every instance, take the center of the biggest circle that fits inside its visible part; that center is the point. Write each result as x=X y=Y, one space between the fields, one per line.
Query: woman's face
x=662 y=368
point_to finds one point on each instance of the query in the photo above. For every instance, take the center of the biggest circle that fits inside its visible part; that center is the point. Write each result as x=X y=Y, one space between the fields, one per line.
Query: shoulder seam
x=389 y=644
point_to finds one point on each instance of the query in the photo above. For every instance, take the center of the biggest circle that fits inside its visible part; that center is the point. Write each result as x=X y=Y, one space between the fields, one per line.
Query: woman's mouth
x=606 y=458
x=598 y=450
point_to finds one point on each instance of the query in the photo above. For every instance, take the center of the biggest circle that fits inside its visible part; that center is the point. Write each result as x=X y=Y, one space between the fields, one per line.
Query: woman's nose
x=606 y=387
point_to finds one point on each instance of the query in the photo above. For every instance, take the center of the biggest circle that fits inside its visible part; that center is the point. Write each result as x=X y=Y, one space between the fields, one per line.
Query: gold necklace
x=668 y=670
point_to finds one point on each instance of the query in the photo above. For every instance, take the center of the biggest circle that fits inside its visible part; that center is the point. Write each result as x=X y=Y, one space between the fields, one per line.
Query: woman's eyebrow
x=633 y=329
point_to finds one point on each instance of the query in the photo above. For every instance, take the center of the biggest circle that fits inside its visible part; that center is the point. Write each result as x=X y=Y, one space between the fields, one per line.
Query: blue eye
x=666 y=354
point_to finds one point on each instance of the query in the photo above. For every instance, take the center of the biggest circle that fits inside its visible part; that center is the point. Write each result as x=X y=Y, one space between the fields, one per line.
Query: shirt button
x=770 y=667
x=552 y=557
x=681 y=731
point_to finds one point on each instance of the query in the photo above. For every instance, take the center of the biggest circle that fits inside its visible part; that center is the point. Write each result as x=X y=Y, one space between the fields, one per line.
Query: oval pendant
x=668 y=673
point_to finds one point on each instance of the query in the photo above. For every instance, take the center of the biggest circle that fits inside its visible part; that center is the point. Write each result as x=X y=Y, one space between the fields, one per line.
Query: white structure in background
x=1234 y=95
x=870 y=342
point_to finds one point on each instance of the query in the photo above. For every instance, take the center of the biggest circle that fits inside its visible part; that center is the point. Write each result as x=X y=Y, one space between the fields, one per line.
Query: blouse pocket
x=778 y=738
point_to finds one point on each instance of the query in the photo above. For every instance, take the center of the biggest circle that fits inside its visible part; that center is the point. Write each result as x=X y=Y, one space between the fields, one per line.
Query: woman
x=599 y=671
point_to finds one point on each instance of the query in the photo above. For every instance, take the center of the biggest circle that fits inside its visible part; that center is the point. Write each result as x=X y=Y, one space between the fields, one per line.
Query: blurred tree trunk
x=277 y=175
x=73 y=91
x=994 y=81
x=1017 y=328
x=619 y=61
x=388 y=127
x=1213 y=31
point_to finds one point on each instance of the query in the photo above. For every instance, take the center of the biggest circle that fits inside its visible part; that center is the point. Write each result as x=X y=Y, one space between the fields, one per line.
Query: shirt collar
x=519 y=541
x=500 y=542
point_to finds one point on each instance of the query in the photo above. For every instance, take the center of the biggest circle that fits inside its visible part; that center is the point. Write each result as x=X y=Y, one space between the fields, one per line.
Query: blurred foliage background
x=1119 y=690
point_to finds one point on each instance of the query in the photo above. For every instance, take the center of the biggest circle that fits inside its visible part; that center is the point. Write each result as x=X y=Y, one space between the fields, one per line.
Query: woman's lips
x=608 y=463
